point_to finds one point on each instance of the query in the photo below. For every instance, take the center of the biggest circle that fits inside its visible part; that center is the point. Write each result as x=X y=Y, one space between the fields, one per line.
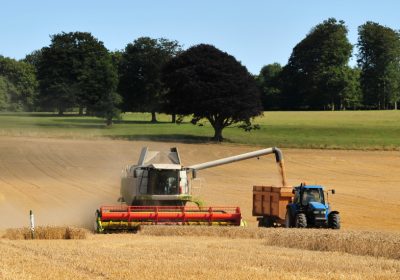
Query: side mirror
x=333 y=191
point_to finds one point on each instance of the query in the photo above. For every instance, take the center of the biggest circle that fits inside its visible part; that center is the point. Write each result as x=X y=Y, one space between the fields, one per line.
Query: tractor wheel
x=334 y=221
x=301 y=220
x=288 y=220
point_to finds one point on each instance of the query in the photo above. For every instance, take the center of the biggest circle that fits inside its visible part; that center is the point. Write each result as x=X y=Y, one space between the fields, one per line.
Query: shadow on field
x=84 y=120
x=182 y=138
x=39 y=115
x=71 y=125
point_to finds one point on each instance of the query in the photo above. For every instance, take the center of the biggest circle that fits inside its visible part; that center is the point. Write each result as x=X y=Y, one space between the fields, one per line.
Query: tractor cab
x=310 y=208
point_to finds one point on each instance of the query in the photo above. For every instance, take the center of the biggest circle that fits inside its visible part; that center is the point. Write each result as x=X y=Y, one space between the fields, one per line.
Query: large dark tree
x=268 y=80
x=313 y=76
x=140 y=74
x=76 y=70
x=379 y=60
x=19 y=84
x=211 y=84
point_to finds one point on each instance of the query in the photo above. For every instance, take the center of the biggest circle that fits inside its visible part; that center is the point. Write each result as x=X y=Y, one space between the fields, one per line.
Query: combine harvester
x=156 y=190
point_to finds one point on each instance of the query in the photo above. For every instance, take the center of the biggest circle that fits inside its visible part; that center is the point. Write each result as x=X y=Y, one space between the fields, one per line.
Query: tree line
x=77 y=72
x=318 y=76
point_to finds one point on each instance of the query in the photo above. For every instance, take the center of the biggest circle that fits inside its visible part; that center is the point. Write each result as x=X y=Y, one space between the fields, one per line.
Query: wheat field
x=205 y=253
x=64 y=181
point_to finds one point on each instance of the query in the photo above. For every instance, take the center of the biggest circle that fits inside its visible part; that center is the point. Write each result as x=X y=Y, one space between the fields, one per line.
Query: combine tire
x=334 y=221
x=301 y=220
x=288 y=220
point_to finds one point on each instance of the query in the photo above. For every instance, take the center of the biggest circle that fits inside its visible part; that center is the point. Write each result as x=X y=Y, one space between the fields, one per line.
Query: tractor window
x=312 y=195
x=163 y=182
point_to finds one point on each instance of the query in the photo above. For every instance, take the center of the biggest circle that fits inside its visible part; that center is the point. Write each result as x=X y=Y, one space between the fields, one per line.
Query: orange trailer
x=269 y=204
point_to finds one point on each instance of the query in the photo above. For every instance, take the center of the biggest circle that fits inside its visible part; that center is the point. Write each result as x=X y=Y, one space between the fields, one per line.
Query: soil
x=65 y=181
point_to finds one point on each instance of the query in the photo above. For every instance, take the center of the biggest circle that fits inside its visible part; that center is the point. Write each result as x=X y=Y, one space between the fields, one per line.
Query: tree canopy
x=76 y=70
x=313 y=77
x=209 y=83
x=19 y=84
x=379 y=60
x=269 y=81
x=140 y=74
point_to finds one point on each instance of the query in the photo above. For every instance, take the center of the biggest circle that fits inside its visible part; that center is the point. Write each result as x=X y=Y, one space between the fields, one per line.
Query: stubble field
x=64 y=181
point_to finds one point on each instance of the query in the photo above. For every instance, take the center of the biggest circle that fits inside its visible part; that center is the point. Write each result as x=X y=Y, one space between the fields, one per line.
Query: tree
x=21 y=80
x=7 y=90
x=140 y=74
x=211 y=84
x=313 y=76
x=379 y=60
x=268 y=80
x=76 y=70
x=33 y=58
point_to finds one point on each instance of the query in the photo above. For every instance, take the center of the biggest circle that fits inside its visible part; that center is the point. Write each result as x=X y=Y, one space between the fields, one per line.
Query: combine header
x=157 y=189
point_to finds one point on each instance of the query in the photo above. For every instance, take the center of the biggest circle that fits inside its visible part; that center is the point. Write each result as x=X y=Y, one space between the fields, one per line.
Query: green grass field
x=336 y=130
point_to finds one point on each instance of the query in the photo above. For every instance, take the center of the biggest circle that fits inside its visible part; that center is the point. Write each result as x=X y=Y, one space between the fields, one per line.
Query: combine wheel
x=97 y=223
x=301 y=220
x=334 y=221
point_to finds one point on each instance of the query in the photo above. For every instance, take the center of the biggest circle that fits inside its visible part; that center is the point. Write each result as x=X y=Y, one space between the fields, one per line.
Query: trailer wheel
x=334 y=221
x=266 y=221
x=301 y=220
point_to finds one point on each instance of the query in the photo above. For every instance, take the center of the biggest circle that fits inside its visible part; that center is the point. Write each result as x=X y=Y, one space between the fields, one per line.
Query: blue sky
x=255 y=32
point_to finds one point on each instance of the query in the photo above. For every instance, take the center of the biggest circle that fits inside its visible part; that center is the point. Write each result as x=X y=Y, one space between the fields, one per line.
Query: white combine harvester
x=158 y=187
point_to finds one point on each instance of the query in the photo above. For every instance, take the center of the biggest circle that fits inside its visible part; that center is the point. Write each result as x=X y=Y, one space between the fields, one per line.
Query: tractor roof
x=313 y=187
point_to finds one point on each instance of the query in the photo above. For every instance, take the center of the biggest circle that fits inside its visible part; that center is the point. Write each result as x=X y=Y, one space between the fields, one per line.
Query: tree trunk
x=109 y=122
x=217 y=135
x=173 y=118
x=60 y=112
x=395 y=105
x=153 y=117
x=80 y=111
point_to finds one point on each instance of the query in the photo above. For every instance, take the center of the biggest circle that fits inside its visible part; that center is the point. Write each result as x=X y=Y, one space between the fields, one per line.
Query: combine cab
x=156 y=190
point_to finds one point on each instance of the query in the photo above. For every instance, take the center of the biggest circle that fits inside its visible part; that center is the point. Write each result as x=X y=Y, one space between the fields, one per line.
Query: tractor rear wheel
x=301 y=220
x=334 y=221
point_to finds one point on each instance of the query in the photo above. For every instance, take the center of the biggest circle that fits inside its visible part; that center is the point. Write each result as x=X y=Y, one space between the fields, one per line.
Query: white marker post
x=32 y=219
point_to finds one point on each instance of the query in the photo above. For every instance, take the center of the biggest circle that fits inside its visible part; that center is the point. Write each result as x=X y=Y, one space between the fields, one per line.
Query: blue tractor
x=310 y=208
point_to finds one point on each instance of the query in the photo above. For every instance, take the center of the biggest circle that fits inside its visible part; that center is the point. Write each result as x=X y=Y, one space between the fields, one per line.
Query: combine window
x=163 y=182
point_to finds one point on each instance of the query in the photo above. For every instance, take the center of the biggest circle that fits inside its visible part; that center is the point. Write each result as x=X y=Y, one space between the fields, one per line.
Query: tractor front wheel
x=288 y=220
x=301 y=220
x=334 y=221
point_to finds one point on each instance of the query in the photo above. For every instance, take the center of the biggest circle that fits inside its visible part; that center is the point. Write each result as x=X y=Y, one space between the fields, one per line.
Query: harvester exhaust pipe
x=273 y=150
